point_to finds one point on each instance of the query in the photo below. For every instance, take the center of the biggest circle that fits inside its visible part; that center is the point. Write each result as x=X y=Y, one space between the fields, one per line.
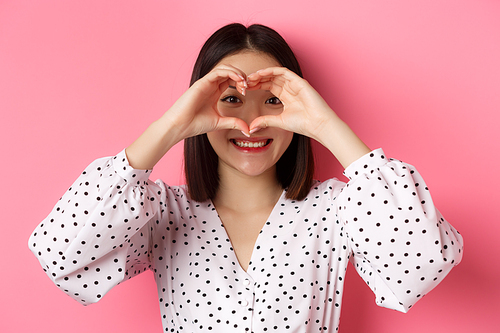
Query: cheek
x=285 y=138
x=215 y=138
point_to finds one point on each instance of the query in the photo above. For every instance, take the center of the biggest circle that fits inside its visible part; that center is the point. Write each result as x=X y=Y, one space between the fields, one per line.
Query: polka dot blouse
x=114 y=223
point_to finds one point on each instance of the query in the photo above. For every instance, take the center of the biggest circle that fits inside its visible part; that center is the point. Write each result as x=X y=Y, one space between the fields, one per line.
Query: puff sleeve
x=98 y=235
x=401 y=245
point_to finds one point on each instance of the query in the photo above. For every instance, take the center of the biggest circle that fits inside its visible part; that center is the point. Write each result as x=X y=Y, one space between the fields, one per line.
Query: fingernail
x=246 y=134
x=254 y=130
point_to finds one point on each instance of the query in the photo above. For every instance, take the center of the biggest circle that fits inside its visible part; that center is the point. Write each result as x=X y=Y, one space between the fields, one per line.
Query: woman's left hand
x=305 y=112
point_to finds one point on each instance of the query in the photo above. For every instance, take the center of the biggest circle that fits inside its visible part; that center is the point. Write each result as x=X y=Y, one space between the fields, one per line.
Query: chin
x=257 y=170
x=251 y=168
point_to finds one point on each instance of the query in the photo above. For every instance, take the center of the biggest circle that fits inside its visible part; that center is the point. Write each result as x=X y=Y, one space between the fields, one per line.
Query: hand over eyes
x=304 y=110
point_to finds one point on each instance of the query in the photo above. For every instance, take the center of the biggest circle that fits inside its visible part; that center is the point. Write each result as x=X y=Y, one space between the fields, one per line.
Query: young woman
x=252 y=243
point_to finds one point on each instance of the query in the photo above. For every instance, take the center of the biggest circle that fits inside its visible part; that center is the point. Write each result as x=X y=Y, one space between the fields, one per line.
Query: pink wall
x=82 y=79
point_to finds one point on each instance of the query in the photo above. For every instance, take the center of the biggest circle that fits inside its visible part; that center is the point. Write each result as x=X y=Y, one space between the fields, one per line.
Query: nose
x=250 y=111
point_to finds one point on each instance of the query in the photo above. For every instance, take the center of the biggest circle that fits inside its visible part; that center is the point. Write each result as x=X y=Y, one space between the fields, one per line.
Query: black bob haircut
x=295 y=168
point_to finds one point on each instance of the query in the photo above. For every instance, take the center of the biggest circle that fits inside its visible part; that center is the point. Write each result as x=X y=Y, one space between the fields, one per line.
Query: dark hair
x=295 y=168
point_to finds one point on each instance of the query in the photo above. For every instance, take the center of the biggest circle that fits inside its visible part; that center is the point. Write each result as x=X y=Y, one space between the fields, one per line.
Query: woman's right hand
x=194 y=113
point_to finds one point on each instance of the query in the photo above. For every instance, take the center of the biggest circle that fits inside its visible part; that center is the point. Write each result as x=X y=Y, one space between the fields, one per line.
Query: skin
x=247 y=96
x=249 y=163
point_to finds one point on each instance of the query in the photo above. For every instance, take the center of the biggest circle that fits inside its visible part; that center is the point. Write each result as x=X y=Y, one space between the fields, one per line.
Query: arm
x=194 y=113
x=306 y=112
x=98 y=234
x=401 y=245
x=342 y=142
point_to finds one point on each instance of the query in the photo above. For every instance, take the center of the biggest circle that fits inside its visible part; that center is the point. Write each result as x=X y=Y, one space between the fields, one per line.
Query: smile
x=251 y=144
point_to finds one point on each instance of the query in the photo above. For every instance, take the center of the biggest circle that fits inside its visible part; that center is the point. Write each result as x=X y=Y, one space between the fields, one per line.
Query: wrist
x=341 y=140
x=168 y=131
x=150 y=147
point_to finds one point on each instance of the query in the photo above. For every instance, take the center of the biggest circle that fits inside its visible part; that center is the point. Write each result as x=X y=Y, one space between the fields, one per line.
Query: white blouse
x=114 y=223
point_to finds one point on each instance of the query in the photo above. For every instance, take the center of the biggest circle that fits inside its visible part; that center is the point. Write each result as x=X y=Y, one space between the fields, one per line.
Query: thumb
x=266 y=121
x=233 y=123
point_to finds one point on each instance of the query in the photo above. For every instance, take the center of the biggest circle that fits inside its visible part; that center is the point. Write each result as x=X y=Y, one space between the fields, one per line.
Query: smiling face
x=258 y=154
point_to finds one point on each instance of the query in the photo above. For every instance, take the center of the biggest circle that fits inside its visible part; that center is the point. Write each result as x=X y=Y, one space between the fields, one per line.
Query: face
x=258 y=154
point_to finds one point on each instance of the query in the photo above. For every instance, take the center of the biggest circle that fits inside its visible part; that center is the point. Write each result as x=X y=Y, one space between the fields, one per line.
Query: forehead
x=249 y=61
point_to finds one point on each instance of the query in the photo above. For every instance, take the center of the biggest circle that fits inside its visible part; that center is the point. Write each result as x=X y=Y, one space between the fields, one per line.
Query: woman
x=251 y=243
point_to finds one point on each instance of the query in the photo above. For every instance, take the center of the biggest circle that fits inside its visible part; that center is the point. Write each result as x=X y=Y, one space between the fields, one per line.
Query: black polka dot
x=121 y=225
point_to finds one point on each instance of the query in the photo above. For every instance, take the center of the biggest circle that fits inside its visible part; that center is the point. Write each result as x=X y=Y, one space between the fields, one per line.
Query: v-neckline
x=264 y=227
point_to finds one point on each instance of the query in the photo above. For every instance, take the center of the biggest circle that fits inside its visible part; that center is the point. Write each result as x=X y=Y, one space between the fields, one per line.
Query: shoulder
x=170 y=193
x=177 y=198
x=324 y=192
x=327 y=188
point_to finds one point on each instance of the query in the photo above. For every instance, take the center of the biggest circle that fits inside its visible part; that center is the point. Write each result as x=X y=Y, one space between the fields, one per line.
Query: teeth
x=247 y=144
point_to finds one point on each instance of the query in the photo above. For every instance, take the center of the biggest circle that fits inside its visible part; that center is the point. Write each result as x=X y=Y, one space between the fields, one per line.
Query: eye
x=231 y=99
x=273 y=100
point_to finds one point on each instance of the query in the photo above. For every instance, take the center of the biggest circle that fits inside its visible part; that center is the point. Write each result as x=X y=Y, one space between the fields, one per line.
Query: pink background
x=82 y=79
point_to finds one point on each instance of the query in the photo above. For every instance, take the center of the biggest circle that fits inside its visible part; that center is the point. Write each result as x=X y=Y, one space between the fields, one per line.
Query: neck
x=247 y=193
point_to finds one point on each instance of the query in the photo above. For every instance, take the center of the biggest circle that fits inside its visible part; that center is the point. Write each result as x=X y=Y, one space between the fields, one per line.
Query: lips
x=255 y=144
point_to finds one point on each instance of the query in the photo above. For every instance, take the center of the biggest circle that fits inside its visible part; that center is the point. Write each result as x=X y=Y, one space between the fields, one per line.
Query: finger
x=233 y=123
x=273 y=79
x=232 y=68
x=263 y=122
x=224 y=77
x=266 y=83
x=241 y=84
x=238 y=86
x=275 y=89
x=241 y=88
x=221 y=74
x=271 y=72
x=272 y=86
